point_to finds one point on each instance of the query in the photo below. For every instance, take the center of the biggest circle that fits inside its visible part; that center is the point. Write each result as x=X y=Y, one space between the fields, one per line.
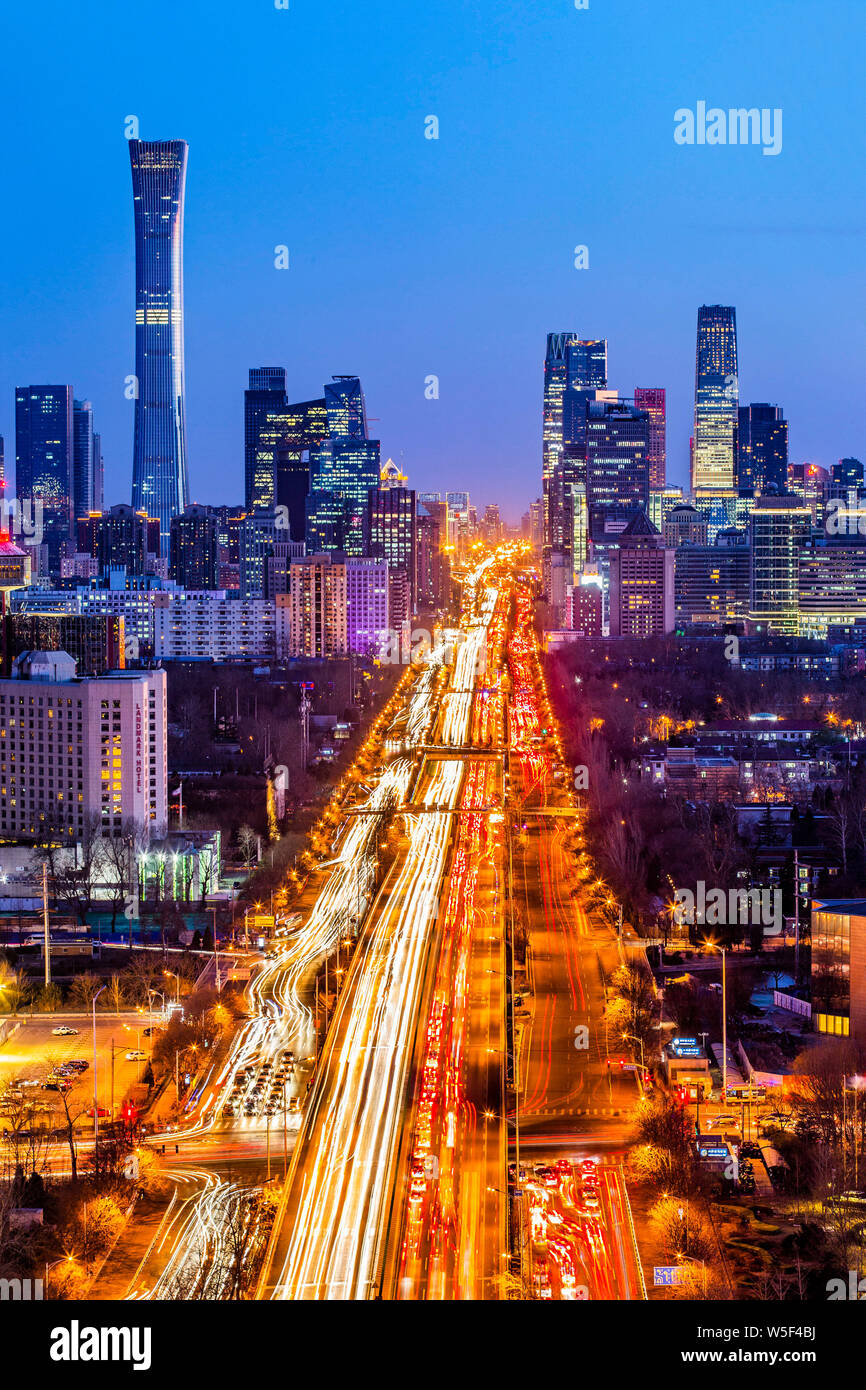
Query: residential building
x=77 y=751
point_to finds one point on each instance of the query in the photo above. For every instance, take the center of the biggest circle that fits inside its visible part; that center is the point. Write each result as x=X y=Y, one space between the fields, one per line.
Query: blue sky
x=412 y=257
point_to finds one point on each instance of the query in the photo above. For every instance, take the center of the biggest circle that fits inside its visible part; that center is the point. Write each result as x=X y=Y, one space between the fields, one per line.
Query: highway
x=334 y=1231
x=572 y=1107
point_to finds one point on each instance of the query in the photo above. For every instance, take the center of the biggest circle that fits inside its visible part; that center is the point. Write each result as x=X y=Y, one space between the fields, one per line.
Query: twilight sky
x=411 y=257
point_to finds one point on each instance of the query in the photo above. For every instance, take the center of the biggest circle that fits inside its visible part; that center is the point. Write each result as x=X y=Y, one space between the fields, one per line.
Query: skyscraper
x=265 y=395
x=159 y=469
x=652 y=400
x=43 y=460
x=641 y=582
x=194 y=553
x=574 y=369
x=391 y=529
x=83 y=460
x=617 y=443
x=716 y=400
x=762 y=449
x=780 y=527
x=555 y=381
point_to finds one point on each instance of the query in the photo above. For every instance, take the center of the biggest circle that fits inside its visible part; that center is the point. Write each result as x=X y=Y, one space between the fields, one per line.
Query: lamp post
x=632 y=1037
x=95 y=1089
x=713 y=946
x=65 y=1260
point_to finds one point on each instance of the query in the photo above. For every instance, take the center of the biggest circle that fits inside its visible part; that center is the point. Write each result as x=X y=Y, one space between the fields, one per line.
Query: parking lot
x=33 y=1051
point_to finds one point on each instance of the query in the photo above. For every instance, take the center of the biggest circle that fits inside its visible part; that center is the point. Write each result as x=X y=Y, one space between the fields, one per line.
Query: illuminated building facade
x=779 y=530
x=641 y=582
x=762 y=449
x=716 y=400
x=159 y=468
x=265 y=395
x=44 y=433
x=76 y=751
x=652 y=400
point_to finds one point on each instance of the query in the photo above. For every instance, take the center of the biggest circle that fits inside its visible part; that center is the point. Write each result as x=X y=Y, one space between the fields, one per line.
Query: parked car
x=64 y=1031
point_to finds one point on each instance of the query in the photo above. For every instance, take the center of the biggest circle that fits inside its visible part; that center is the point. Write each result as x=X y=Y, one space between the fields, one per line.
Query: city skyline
x=248 y=195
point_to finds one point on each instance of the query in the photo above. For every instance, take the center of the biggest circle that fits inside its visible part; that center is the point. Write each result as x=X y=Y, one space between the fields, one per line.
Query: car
x=419 y=1182
x=562 y=1165
x=590 y=1200
x=135 y=1056
x=78 y=1064
x=588 y=1165
x=294 y=1105
x=56 y=1083
x=64 y=1031
x=101 y=1111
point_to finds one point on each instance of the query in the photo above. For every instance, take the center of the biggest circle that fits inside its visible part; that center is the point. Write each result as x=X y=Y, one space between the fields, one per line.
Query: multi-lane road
x=399 y=1134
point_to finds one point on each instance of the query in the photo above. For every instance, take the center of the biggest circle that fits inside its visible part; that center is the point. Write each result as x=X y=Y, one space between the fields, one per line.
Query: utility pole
x=724 y=1029
x=46 y=925
x=112 y=1078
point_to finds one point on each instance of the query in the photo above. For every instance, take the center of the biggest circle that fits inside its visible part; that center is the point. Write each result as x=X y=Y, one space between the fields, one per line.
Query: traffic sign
x=667 y=1274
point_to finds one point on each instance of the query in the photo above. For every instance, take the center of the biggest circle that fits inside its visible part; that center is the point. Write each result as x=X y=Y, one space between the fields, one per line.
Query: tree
x=50 y=998
x=115 y=993
x=84 y=989
x=248 y=842
x=15 y=987
x=72 y=870
x=72 y=1103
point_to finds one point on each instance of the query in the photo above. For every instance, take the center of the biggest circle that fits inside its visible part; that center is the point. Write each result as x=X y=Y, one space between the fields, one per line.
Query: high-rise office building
x=266 y=394
x=617 y=445
x=391 y=530
x=555 y=381
x=762 y=449
x=780 y=527
x=84 y=444
x=120 y=538
x=652 y=400
x=44 y=435
x=259 y=532
x=159 y=469
x=641 y=582
x=716 y=400
x=711 y=582
x=194 y=549
x=431 y=567
x=346 y=408
x=845 y=475
x=98 y=475
x=574 y=370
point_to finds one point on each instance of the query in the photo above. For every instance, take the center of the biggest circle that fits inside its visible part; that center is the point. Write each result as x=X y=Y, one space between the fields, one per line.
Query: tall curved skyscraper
x=159 y=474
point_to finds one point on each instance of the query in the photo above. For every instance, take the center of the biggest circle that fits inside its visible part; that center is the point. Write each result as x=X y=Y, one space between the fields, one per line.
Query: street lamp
x=95 y=1089
x=65 y=1260
x=632 y=1037
x=176 y=979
